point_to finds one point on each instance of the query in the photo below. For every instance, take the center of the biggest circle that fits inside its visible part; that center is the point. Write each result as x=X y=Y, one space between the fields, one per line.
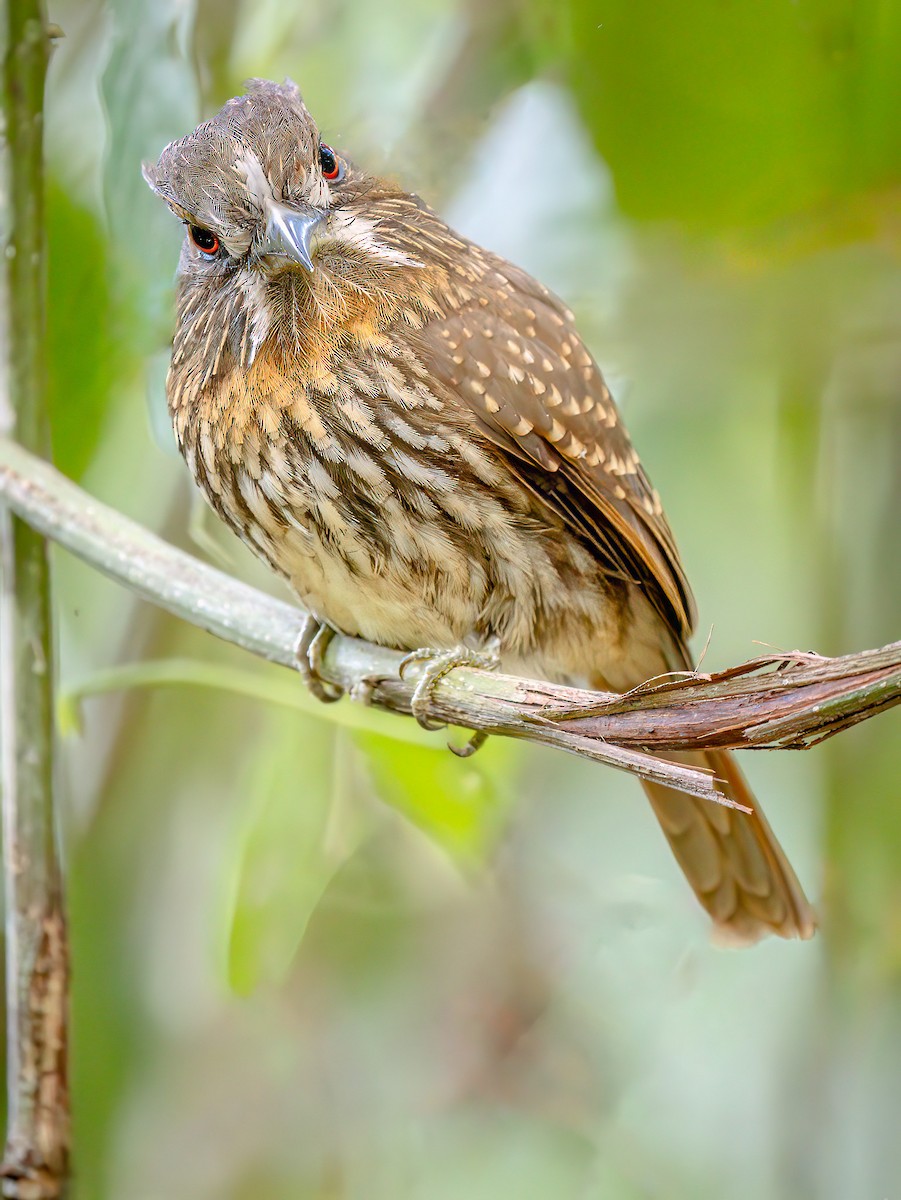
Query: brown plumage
x=410 y=430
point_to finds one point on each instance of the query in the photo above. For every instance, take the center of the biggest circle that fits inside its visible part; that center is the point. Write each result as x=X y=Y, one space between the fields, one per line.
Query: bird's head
x=295 y=235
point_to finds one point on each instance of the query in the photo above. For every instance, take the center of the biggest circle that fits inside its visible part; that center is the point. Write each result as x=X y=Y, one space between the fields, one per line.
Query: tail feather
x=732 y=860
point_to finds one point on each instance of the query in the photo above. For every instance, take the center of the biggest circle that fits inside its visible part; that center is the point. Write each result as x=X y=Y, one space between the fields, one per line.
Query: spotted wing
x=510 y=352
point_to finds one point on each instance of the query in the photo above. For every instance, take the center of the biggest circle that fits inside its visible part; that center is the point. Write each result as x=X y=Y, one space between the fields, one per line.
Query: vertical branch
x=35 y=1165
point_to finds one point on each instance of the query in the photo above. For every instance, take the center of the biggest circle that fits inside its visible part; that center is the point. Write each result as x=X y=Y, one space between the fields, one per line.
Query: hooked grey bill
x=289 y=232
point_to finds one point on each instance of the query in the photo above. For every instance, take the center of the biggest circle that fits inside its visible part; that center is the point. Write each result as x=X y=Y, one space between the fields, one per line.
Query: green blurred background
x=315 y=955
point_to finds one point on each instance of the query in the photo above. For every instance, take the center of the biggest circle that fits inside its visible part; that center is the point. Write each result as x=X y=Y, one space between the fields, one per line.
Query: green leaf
x=269 y=684
x=82 y=358
x=462 y=804
x=301 y=827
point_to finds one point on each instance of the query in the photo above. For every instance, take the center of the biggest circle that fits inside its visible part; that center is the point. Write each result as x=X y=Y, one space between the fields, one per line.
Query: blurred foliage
x=771 y=108
x=83 y=354
x=315 y=954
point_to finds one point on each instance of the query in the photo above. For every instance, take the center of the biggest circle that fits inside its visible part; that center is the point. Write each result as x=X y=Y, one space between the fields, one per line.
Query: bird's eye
x=204 y=239
x=329 y=163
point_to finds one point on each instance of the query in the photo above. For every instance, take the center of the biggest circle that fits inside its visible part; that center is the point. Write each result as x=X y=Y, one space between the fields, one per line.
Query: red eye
x=204 y=239
x=329 y=163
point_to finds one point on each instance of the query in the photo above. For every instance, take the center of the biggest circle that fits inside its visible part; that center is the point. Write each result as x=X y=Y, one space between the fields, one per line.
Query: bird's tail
x=732 y=859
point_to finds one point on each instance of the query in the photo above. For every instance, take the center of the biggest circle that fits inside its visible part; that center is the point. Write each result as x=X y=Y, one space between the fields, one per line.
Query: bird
x=410 y=431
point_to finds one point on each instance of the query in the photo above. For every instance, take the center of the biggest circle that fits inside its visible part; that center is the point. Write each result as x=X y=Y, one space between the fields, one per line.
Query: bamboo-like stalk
x=36 y=1158
x=782 y=700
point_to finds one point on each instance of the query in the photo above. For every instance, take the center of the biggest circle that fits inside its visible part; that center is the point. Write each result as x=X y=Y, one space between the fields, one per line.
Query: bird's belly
x=404 y=581
x=382 y=600
x=377 y=574
x=574 y=635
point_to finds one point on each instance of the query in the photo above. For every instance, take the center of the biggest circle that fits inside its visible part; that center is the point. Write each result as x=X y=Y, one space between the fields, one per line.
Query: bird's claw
x=476 y=742
x=309 y=650
x=437 y=664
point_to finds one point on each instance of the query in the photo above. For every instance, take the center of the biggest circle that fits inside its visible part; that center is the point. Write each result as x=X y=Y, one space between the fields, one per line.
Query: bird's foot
x=311 y=645
x=439 y=663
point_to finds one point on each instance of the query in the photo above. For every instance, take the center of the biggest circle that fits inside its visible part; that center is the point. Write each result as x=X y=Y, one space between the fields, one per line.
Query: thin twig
x=779 y=700
x=36 y=1157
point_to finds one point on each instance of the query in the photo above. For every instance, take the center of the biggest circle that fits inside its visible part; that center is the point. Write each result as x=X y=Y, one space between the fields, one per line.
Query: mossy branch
x=780 y=700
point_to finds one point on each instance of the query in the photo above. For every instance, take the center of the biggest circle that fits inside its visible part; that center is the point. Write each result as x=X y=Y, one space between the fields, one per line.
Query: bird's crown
x=260 y=147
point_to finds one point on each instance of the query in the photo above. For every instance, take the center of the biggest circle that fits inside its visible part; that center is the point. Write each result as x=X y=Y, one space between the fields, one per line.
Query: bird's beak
x=289 y=233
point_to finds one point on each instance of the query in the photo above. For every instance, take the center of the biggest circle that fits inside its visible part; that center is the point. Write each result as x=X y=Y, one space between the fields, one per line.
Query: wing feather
x=509 y=351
